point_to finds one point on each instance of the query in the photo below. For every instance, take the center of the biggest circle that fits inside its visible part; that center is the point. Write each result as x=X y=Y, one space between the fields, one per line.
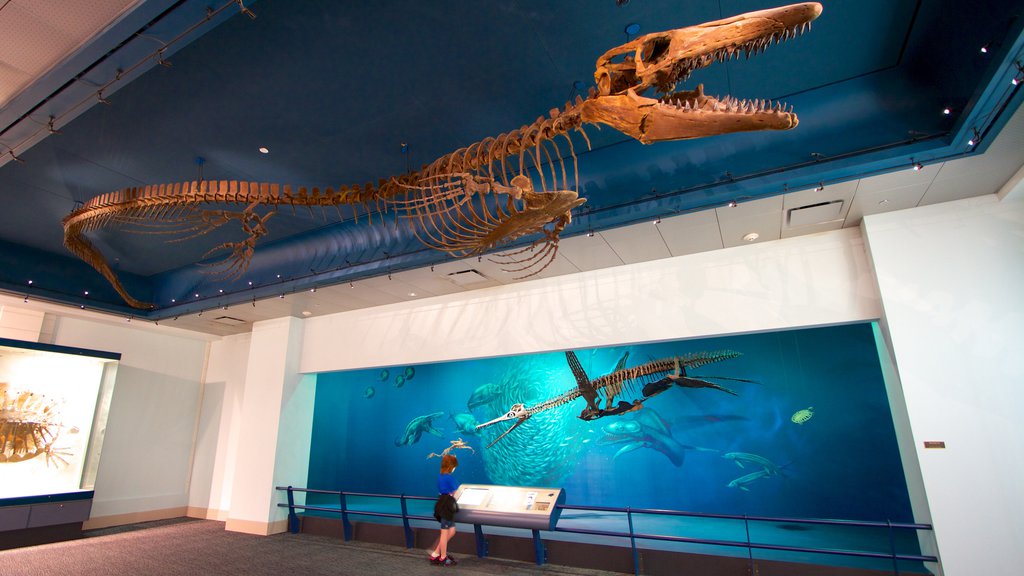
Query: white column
x=275 y=428
x=950 y=279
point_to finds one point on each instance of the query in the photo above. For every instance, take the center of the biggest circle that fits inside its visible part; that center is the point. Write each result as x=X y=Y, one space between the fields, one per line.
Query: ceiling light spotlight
x=129 y=319
x=976 y=139
x=250 y=282
x=412 y=293
x=86 y=292
x=751 y=237
x=820 y=187
x=984 y=49
x=30 y=282
x=313 y=289
x=947 y=111
x=281 y=296
x=351 y=285
x=590 y=233
x=221 y=290
x=657 y=220
x=916 y=165
x=264 y=150
x=732 y=204
x=173 y=300
x=82 y=306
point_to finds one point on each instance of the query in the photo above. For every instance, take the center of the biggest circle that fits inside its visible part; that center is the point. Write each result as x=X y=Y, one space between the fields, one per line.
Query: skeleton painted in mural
x=459 y=444
x=495 y=191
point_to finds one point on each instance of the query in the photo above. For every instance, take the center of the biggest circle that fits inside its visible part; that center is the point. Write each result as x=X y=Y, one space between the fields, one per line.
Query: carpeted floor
x=198 y=547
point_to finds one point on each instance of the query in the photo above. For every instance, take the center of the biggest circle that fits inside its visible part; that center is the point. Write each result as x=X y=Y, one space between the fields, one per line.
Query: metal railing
x=632 y=534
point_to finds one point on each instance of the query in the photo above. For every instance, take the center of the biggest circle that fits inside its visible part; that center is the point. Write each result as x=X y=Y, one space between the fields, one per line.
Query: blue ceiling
x=334 y=90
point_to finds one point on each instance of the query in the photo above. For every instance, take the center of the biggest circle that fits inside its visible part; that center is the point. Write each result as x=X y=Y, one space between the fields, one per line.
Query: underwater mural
x=791 y=423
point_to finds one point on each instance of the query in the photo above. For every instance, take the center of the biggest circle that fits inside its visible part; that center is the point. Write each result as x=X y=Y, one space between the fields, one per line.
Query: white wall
x=950 y=279
x=216 y=449
x=144 y=466
x=805 y=281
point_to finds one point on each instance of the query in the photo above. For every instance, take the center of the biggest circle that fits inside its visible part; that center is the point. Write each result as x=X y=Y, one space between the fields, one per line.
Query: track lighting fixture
x=819 y=187
x=590 y=233
x=917 y=166
x=732 y=204
x=657 y=220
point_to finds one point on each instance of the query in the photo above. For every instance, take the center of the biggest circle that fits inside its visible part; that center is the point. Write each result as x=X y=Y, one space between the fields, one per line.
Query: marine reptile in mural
x=30 y=425
x=493 y=192
x=655 y=376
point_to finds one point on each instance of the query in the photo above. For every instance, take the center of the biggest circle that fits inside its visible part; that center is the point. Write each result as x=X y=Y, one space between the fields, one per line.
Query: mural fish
x=541 y=453
x=646 y=430
x=384 y=375
x=740 y=457
x=399 y=381
x=369 y=392
x=409 y=373
x=483 y=395
x=464 y=422
x=743 y=481
x=416 y=427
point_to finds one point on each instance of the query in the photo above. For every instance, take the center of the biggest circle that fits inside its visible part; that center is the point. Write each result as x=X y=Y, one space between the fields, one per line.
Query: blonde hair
x=448 y=463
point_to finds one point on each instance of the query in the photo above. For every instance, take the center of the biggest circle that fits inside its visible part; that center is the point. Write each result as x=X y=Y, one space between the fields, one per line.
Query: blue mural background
x=675 y=453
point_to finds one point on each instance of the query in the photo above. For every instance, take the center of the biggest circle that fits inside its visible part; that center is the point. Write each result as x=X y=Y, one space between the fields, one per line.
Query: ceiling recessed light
x=883 y=202
x=947 y=111
x=264 y=150
x=751 y=237
x=412 y=293
x=307 y=313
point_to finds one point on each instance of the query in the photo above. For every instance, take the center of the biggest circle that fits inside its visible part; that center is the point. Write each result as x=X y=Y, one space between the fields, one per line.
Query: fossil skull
x=662 y=59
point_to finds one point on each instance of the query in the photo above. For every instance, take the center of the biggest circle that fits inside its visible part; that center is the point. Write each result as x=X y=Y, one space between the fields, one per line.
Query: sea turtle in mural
x=410 y=372
x=384 y=375
x=801 y=416
x=369 y=392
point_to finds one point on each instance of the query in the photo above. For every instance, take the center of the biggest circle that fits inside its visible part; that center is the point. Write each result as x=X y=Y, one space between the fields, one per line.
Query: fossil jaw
x=662 y=59
x=686 y=114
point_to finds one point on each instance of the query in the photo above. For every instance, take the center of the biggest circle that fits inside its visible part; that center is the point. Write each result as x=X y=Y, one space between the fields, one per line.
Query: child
x=445 y=509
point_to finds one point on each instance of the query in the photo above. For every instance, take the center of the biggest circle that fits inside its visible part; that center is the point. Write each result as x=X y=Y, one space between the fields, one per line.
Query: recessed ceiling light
x=412 y=293
x=751 y=237
x=264 y=150
x=947 y=111
x=883 y=202
x=307 y=313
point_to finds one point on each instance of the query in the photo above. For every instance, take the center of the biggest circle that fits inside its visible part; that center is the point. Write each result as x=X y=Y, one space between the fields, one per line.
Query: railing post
x=632 y=543
x=539 y=553
x=405 y=523
x=293 y=518
x=750 y=551
x=892 y=549
x=346 y=526
x=481 y=542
